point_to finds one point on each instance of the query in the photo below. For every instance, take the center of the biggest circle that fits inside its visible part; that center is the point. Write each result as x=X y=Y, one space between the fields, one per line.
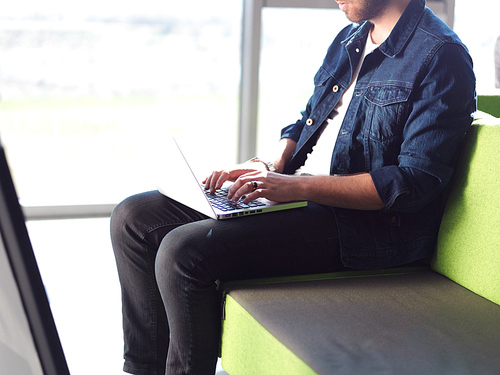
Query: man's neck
x=384 y=24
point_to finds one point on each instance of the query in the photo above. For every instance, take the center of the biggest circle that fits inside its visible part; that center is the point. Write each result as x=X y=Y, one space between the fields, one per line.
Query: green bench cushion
x=419 y=323
x=248 y=348
x=468 y=247
x=489 y=104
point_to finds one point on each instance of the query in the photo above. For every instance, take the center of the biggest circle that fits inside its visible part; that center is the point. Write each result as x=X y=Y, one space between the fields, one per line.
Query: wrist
x=269 y=166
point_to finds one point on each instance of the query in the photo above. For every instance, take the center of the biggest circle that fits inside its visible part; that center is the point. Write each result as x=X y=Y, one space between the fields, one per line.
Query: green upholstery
x=489 y=104
x=468 y=247
x=416 y=323
x=248 y=348
x=387 y=321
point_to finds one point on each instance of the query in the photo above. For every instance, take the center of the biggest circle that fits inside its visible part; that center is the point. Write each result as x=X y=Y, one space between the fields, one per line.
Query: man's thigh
x=145 y=219
x=297 y=241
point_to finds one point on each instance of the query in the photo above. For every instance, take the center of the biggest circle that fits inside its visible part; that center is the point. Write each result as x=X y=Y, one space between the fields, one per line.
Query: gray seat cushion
x=419 y=323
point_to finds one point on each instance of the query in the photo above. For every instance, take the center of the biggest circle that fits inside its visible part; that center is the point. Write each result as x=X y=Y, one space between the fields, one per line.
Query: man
x=372 y=154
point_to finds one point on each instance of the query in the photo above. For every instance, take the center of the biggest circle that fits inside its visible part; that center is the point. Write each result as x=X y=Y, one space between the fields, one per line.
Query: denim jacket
x=412 y=104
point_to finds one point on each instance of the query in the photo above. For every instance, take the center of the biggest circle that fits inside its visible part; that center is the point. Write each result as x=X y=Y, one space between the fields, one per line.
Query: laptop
x=29 y=342
x=182 y=185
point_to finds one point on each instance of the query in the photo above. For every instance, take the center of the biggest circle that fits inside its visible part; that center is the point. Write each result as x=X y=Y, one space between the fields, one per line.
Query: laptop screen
x=29 y=342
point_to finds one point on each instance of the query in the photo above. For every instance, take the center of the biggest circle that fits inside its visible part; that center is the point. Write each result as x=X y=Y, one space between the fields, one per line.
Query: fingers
x=256 y=192
x=216 y=180
x=248 y=183
x=246 y=191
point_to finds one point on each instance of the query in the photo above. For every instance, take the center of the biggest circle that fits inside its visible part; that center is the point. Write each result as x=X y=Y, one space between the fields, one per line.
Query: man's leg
x=192 y=257
x=138 y=226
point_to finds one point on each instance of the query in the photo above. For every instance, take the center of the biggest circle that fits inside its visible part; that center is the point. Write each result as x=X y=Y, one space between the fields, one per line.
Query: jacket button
x=309 y=122
x=335 y=88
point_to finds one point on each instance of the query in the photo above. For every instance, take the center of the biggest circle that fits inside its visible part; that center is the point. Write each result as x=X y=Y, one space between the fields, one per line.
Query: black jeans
x=170 y=259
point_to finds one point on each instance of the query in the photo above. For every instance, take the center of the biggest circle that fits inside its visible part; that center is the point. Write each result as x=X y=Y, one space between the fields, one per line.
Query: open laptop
x=29 y=342
x=181 y=184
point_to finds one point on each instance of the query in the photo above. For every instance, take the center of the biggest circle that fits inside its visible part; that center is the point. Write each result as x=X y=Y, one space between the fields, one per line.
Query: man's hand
x=273 y=186
x=283 y=154
x=217 y=178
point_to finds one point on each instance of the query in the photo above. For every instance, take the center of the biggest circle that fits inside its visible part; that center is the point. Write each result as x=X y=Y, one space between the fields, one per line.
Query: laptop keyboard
x=219 y=200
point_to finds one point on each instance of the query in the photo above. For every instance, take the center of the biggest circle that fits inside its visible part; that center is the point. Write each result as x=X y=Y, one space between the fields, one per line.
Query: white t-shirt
x=319 y=160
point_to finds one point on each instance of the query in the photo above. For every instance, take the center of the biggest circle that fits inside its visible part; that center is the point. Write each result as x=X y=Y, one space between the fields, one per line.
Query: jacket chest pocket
x=387 y=105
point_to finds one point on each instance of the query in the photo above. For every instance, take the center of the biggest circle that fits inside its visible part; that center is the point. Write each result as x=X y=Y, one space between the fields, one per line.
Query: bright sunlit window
x=89 y=89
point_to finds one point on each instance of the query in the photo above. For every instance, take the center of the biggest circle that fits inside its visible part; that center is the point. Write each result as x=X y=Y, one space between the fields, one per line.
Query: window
x=89 y=90
x=478 y=28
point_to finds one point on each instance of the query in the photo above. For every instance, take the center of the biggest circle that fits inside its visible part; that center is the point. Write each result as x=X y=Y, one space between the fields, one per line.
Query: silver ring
x=254 y=186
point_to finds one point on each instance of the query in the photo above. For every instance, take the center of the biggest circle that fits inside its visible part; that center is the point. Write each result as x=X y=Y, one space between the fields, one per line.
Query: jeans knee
x=121 y=215
x=181 y=256
x=129 y=220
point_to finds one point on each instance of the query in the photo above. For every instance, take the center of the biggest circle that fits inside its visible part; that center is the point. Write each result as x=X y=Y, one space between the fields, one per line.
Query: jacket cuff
x=292 y=131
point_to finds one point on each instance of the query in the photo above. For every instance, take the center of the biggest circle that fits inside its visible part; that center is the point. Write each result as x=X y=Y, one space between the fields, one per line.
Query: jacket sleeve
x=440 y=114
x=293 y=131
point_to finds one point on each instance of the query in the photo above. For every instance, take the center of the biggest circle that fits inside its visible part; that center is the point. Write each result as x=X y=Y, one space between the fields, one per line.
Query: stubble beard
x=370 y=9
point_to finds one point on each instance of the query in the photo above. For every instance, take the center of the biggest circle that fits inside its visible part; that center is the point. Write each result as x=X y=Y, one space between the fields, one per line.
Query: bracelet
x=269 y=165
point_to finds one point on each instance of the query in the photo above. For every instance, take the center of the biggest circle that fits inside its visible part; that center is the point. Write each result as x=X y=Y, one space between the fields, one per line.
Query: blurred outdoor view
x=89 y=89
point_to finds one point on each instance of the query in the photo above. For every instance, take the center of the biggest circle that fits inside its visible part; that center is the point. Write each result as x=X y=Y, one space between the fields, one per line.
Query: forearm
x=353 y=191
x=283 y=154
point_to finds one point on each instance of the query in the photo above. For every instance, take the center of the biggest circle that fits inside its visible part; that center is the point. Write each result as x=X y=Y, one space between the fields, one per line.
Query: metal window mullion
x=83 y=211
x=249 y=89
x=450 y=12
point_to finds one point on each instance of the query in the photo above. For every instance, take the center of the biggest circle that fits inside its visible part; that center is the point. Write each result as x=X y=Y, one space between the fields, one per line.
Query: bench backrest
x=489 y=104
x=468 y=246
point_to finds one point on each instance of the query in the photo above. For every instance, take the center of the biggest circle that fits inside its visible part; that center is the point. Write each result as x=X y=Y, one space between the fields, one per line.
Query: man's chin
x=355 y=19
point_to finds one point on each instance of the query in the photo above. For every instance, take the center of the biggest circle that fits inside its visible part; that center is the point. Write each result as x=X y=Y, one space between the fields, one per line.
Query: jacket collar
x=403 y=29
x=399 y=36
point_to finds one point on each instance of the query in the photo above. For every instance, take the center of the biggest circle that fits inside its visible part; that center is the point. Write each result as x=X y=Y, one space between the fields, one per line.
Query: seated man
x=372 y=153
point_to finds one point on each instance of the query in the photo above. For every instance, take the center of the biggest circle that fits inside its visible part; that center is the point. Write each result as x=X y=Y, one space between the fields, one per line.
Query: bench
x=442 y=320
